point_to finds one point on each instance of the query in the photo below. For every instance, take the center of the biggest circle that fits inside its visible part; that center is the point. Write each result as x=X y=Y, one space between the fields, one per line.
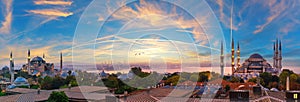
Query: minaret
x=12 y=71
x=238 y=55
x=276 y=52
x=287 y=83
x=279 y=57
x=222 y=60
x=232 y=56
x=61 y=62
x=28 y=62
x=274 y=56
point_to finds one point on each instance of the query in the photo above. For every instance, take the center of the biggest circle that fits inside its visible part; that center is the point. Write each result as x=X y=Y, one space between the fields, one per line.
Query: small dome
x=274 y=89
x=130 y=74
x=64 y=74
x=5 y=68
x=103 y=74
x=20 y=80
x=74 y=73
x=256 y=56
x=123 y=77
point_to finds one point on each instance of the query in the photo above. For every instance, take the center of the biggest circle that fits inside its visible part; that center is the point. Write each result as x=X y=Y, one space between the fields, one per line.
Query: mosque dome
x=37 y=58
x=64 y=75
x=123 y=77
x=20 y=80
x=103 y=74
x=256 y=56
x=5 y=68
x=130 y=74
x=74 y=73
x=37 y=61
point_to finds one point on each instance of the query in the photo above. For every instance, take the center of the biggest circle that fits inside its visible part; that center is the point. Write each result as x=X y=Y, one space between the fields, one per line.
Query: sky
x=156 y=32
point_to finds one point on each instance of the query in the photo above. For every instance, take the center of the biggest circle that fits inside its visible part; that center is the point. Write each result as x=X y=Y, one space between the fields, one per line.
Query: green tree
x=58 y=97
x=46 y=83
x=283 y=75
x=252 y=80
x=227 y=88
x=293 y=77
x=111 y=82
x=203 y=76
x=235 y=79
x=57 y=82
x=173 y=79
x=194 y=77
x=275 y=78
x=266 y=78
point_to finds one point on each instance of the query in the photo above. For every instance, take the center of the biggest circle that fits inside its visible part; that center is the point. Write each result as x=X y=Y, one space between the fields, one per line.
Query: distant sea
x=189 y=69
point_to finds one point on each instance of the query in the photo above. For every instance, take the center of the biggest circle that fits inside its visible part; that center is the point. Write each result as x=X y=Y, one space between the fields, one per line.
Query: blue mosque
x=255 y=64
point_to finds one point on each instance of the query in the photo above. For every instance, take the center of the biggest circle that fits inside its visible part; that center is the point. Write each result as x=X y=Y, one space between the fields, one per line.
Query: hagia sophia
x=255 y=64
x=37 y=66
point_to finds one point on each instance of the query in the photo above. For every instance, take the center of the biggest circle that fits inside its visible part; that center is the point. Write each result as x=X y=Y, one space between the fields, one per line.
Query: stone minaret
x=61 y=62
x=279 y=56
x=274 y=56
x=12 y=71
x=28 y=62
x=287 y=83
x=238 y=55
x=232 y=57
x=276 y=52
x=222 y=60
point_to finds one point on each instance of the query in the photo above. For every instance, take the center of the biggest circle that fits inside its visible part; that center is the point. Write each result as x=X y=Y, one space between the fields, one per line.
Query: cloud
x=58 y=2
x=226 y=16
x=276 y=10
x=51 y=12
x=153 y=15
x=286 y=29
x=6 y=24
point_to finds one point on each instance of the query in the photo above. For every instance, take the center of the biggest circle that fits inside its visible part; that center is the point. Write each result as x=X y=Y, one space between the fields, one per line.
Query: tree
x=252 y=80
x=58 y=97
x=194 y=77
x=293 y=77
x=46 y=83
x=57 y=82
x=227 y=88
x=275 y=78
x=203 y=76
x=111 y=82
x=235 y=80
x=266 y=78
x=273 y=85
x=283 y=75
x=173 y=79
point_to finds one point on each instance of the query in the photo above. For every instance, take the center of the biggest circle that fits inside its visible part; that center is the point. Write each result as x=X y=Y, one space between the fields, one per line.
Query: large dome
x=256 y=56
x=37 y=59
